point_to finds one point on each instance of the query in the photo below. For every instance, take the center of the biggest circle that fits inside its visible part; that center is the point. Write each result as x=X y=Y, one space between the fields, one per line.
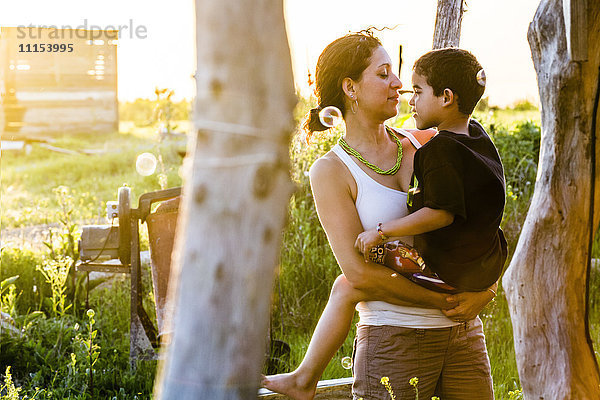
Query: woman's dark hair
x=346 y=57
x=454 y=69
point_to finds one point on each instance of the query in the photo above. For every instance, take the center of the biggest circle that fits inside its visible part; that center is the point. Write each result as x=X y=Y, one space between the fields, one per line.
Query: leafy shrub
x=55 y=353
x=142 y=111
x=524 y=105
x=31 y=286
x=519 y=150
x=308 y=267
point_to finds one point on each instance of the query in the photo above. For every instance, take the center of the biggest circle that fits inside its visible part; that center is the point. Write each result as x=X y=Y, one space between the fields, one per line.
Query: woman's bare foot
x=291 y=385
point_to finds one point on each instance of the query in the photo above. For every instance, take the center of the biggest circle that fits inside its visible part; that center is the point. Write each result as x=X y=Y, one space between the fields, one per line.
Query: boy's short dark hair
x=455 y=69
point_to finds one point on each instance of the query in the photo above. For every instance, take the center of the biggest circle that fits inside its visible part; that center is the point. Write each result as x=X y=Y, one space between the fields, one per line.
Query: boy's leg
x=329 y=335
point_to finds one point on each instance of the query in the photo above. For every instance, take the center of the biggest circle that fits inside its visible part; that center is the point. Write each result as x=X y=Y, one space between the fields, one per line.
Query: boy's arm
x=424 y=220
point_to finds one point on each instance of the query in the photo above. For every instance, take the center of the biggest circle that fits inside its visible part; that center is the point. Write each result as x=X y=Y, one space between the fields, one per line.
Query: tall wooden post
x=547 y=281
x=234 y=204
x=447 y=23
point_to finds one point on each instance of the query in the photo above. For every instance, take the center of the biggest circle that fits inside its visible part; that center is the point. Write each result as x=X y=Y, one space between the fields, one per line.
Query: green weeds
x=56 y=273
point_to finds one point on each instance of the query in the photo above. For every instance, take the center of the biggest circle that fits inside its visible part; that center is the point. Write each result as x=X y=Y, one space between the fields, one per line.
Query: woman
x=403 y=331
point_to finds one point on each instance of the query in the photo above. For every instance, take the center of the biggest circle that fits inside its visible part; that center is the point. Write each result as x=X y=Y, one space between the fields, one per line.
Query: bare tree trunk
x=546 y=283
x=234 y=202
x=447 y=23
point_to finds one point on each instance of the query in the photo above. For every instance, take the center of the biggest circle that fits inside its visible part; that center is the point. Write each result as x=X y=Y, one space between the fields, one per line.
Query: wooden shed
x=57 y=81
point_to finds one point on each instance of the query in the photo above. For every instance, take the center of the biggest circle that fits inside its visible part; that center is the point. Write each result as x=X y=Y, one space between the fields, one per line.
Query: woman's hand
x=366 y=241
x=469 y=305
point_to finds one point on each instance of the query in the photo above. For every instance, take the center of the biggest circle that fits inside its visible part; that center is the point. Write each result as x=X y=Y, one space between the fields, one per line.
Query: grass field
x=28 y=179
x=307 y=265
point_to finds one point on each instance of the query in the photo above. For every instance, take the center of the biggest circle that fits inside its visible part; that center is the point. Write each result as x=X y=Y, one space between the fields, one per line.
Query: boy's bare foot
x=291 y=385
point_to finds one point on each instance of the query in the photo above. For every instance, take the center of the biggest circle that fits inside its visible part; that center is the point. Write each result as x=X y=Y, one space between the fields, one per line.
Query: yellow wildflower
x=414 y=381
x=385 y=381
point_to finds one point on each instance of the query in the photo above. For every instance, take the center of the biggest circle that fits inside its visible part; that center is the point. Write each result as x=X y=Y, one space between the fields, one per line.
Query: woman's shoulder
x=330 y=177
x=328 y=164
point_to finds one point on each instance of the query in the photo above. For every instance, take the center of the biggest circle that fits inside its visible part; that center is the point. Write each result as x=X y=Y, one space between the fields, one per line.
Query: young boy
x=456 y=200
x=458 y=180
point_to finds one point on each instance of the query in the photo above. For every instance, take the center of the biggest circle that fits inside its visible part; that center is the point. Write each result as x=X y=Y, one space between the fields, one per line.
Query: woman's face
x=377 y=89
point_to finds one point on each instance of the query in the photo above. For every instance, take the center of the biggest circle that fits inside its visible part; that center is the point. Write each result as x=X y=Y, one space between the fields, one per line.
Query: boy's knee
x=344 y=289
x=341 y=280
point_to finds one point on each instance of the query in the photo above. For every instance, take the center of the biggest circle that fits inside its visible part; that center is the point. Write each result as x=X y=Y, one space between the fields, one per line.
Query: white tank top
x=378 y=203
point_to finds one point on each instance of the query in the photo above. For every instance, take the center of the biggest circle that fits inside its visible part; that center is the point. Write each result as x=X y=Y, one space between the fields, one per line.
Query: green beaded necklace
x=374 y=167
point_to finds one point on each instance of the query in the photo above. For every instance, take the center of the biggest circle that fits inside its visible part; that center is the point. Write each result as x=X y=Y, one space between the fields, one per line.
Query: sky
x=495 y=31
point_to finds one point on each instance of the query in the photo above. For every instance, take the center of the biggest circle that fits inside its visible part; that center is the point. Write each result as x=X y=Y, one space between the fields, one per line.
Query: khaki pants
x=451 y=363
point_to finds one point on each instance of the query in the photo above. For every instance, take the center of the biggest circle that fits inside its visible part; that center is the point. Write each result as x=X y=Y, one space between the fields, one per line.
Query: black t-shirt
x=463 y=175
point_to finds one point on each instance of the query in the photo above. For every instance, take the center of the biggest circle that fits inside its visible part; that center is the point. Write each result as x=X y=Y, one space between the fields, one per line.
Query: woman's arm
x=330 y=182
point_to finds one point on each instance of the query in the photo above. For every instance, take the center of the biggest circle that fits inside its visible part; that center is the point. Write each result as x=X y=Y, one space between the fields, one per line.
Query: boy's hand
x=366 y=241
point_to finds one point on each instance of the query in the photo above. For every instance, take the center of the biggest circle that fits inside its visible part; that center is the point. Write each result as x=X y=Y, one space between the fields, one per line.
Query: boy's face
x=426 y=107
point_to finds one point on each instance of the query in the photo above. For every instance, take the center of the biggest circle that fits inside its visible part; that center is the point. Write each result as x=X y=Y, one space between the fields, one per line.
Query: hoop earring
x=354 y=106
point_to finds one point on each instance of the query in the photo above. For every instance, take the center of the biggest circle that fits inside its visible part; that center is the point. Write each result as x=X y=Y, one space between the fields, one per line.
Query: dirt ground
x=28 y=237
